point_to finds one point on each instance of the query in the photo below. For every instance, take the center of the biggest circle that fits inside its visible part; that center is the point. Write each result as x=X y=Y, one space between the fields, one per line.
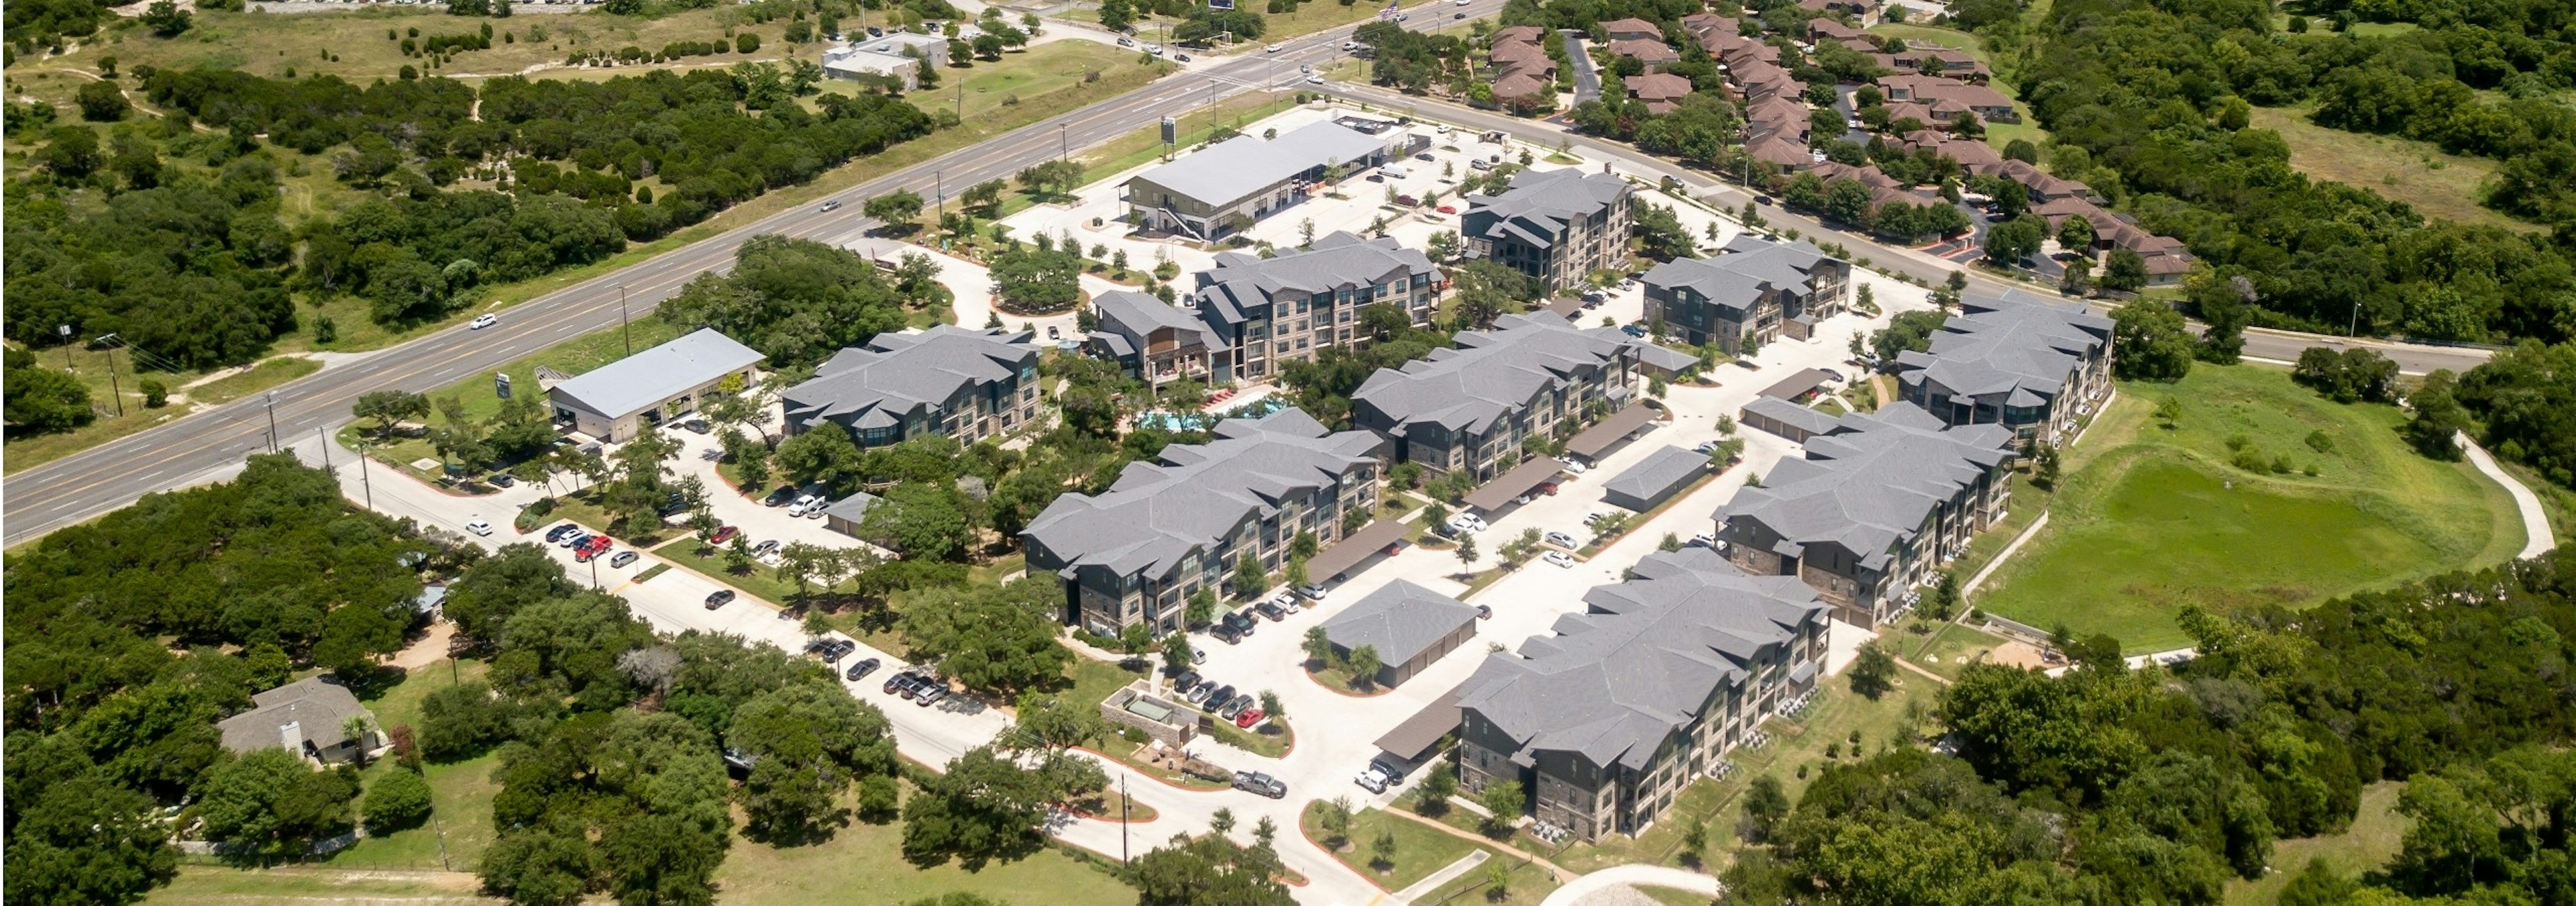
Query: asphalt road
x=2261 y=344
x=209 y=443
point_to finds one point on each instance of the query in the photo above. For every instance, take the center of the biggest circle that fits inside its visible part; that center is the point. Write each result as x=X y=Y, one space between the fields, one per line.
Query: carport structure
x=1354 y=549
x=1414 y=739
x=1798 y=387
x=1501 y=491
x=1599 y=438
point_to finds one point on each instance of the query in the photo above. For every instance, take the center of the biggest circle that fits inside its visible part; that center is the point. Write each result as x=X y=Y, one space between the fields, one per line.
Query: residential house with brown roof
x=1822 y=29
x=1518 y=34
x=1864 y=10
x=1947 y=97
x=2044 y=186
x=1653 y=53
x=1659 y=91
x=1957 y=64
x=1628 y=30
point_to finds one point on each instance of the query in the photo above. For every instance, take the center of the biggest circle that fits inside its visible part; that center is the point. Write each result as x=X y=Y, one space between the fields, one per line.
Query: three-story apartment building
x=1269 y=311
x=1557 y=226
x=2018 y=360
x=946 y=381
x=1759 y=290
x=1135 y=553
x=1606 y=721
x=1470 y=408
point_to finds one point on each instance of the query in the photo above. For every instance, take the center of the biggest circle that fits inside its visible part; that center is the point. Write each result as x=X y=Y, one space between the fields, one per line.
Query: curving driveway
x=1633 y=876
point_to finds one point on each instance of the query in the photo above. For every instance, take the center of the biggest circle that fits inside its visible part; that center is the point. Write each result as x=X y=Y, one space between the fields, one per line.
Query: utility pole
x=271 y=400
x=939 y=184
x=325 y=438
x=112 y=390
x=623 y=325
x=1063 y=141
x=364 y=479
x=1122 y=819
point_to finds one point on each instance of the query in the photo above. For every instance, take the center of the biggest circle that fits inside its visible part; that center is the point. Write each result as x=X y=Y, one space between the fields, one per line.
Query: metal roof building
x=1251 y=176
x=1409 y=627
x=1646 y=484
x=614 y=401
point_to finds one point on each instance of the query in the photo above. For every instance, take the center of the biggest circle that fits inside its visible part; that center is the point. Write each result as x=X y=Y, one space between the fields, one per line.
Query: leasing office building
x=1646 y=690
x=616 y=401
x=1218 y=191
x=1134 y=553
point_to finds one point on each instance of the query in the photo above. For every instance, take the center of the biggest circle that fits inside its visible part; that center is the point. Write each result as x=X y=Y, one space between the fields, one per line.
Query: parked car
x=1632 y=330
x=1447 y=209
x=1466 y=522
x=1484 y=613
x=723 y=534
x=1704 y=447
x=558 y=533
x=762 y=549
x=1576 y=468
x=622 y=558
x=1702 y=539
x=1126 y=42
x=1272 y=610
x=1561 y=539
x=719 y=598
x=1242 y=622
x=780 y=497
x=1155 y=49
x=1201 y=693
x=1311 y=592
x=1249 y=717
x=1183 y=682
x=1392 y=767
x=1559 y=558
x=802 y=504
x=500 y=479
x=930 y=696
x=1181 y=57
x=1547 y=487
x=860 y=669
x=1258 y=783
x=1223 y=696
x=1054 y=333
x=483 y=321
x=900 y=680
x=574 y=540
x=1225 y=632
x=1371 y=781
x=911 y=686
x=478 y=526
x=1234 y=708
x=696 y=426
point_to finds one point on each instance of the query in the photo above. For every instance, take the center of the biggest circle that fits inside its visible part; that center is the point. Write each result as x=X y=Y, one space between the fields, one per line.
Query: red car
x=1548 y=487
x=1249 y=717
x=1446 y=209
x=723 y=534
x=599 y=544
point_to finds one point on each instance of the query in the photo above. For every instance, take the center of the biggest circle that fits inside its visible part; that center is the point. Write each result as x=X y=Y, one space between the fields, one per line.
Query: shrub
x=397 y=801
x=155 y=394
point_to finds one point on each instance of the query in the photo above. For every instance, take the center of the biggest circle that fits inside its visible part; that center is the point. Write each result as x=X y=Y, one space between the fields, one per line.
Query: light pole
x=271 y=400
x=624 y=326
x=939 y=184
x=1063 y=141
x=364 y=479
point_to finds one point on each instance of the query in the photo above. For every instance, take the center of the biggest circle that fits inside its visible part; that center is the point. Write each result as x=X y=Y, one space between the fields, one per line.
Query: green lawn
x=2368 y=844
x=1419 y=849
x=2150 y=519
x=864 y=863
x=460 y=794
x=1019 y=77
x=1944 y=649
x=206 y=884
x=2436 y=182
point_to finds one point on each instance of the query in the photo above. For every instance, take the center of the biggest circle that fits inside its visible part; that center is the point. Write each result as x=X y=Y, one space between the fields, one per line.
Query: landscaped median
x=1391 y=851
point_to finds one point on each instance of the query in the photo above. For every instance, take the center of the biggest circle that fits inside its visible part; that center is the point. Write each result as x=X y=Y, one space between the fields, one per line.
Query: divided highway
x=203 y=444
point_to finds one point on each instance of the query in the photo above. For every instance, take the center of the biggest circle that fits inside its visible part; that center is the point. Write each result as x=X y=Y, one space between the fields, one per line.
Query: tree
x=389 y=407
x=87 y=840
x=2438 y=417
x=2007 y=244
x=398 y=800
x=2149 y=342
x=40 y=399
x=982 y=807
x=165 y=18
x=2076 y=235
x=1765 y=803
x=1910 y=330
x=2124 y=271
x=1694 y=841
x=1033 y=280
x=922 y=520
x=1318 y=647
x=1505 y=800
x=1250 y=580
x=268 y=805
x=102 y=102
x=896 y=209
x=984 y=197
x=1382 y=851
x=2169 y=412
x=808 y=742
x=1489 y=290
x=997 y=639
x=1438 y=784
x=1364 y=664
x=1210 y=869
x=1115 y=15
x=1874 y=673
x=1201 y=608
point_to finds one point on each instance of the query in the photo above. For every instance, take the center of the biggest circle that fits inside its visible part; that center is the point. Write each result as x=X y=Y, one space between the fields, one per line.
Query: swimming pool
x=1200 y=421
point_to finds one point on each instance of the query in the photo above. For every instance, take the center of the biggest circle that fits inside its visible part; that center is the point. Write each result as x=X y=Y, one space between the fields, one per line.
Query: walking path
x=2537 y=539
x=1432 y=882
x=1633 y=875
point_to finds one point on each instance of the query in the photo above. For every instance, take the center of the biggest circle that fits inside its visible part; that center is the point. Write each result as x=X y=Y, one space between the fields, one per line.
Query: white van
x=1393 y=171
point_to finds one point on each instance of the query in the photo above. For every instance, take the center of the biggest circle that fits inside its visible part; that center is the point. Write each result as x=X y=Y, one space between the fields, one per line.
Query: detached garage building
x=1409 y=626
x=1646 y=484
x=616 y=401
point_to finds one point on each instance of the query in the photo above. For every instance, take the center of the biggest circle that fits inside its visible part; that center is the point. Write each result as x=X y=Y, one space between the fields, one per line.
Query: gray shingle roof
x=642 y=380
x=896 y=373
x=1791 y=414
x=318 y=709
x=1490 y=374
x=1637 y=665
x=852 y=509
x=1658 y=474
x=1539 y=205
x=1871 y=483
x=1197 y=495
x=1241 y=282
x=1400 y=620
x=2015 y=345
x=1126 y=311
x=1239 y=166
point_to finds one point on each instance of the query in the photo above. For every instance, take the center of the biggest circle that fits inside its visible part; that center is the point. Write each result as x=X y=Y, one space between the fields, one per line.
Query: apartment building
x=1152 y=340
x=1879 y=501
x=1646 y=690
x=1557 y=226
x=946 y=381
x=1758 y=289
x=1134 y=553
x=1469 y=408
x=2034 y=366
x=1268 y=311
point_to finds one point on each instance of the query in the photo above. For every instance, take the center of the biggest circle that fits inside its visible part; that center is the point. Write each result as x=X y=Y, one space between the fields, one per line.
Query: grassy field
x=864 y=863
x=1419 y=848
x=2437 y=183
x=213 y=885
x=2150 y=519
x=2368 y=844
x=1944 y=649
x=1015 y=80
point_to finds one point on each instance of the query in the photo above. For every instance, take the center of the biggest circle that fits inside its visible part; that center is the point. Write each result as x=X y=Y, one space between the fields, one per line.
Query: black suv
x=719 y=599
